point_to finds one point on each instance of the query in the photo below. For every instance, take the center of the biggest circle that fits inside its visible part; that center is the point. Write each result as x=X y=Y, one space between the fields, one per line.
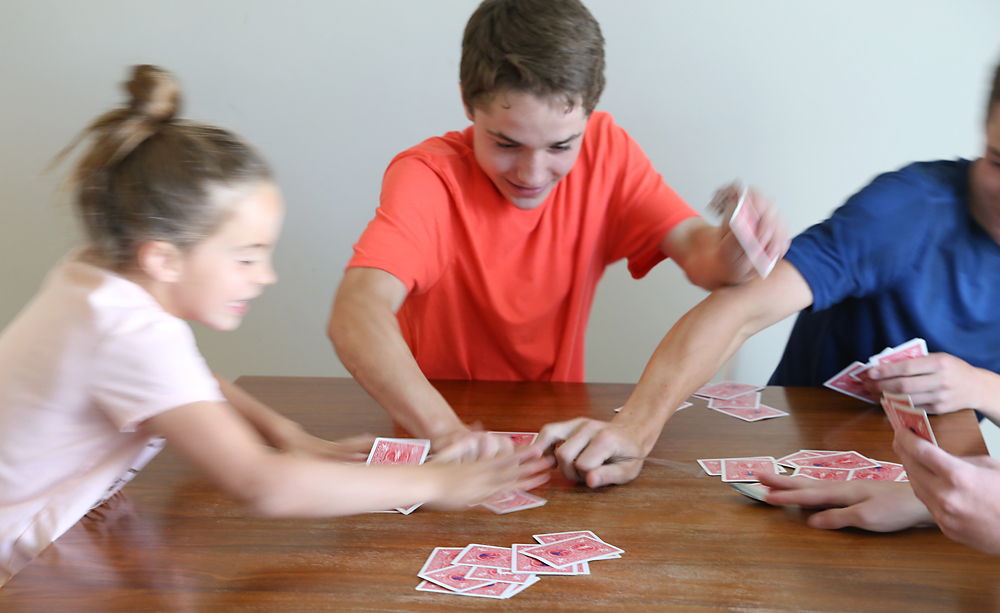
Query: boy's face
x=986 y=176
x=525 y=144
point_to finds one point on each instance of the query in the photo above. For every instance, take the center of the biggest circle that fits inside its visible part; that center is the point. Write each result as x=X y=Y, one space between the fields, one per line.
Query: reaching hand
x=461 y=484
x=296 y=441
x=938 y=383
x=586 y=447
x=879 y=506
x=475 y=445
x=963 y=494
x=771 y=230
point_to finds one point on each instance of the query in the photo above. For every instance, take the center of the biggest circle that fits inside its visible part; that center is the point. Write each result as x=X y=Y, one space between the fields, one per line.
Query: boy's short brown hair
x=542 y=47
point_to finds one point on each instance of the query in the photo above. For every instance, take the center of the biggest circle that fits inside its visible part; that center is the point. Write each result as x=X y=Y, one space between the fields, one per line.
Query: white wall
x=808 y=100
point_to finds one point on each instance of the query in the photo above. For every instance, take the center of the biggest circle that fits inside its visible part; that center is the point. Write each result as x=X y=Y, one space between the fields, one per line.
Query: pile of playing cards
x=399 y=452
x=738 y=400
x=851 y=380
x=903 y=415
x=500 y=572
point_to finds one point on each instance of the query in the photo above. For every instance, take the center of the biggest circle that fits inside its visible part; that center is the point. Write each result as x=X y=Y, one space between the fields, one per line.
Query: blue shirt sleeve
x=867 y=245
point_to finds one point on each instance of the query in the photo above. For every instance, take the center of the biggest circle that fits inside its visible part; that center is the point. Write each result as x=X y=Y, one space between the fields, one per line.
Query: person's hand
x=461 y=484
x=771 y=230
x=962 y=494
x=586 y=447
x=296 y=441
x=878 y=506
x=938 y=383
x=475 y=444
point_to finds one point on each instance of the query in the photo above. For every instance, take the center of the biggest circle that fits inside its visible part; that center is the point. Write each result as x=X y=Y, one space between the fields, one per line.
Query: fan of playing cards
x=851 y=380
x=500 y=572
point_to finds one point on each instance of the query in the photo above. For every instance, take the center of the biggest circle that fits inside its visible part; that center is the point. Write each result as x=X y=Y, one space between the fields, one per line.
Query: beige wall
x=808 y=100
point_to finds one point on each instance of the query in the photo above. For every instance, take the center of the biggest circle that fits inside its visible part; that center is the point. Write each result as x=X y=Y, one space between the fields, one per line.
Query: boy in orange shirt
x=485 y=252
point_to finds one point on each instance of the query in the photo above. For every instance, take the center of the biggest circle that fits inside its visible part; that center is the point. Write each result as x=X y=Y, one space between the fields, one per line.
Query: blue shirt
x=903 y=258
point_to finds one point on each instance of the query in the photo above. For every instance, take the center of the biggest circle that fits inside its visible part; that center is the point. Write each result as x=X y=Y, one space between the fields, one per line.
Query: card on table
x=750 y=400
x=496 y=574
x=527 y=564
x=744 y=224
x=712 y=467
x=747 y=469
x=519 y=438
x=848 y=460
x=757 y=491
x=508 y=502
x=757 y=414
x=398 y=452
x=490 y=590
x=441 y=557
x=823 y=473
x=486 y=555
x=571 y=551
x=726 y=390
x=885 y=471
x=798 y=455
x=902 y=414
x=454 y=578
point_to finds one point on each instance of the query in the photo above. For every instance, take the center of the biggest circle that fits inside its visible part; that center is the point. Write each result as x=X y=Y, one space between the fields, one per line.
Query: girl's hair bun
x=156 y=94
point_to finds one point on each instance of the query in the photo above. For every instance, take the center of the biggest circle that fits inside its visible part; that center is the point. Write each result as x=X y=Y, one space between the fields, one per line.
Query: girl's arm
x=233 y=454
x=287 y=435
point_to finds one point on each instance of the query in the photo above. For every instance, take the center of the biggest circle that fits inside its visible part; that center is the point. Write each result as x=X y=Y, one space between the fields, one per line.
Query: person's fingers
x=781 y=482
x=570 y=450
x=820 y=495
x=905 y=368
x=834 y=519
x=556 y=432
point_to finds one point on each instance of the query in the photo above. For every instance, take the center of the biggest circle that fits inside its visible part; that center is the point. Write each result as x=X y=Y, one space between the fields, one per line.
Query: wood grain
x=172 y=542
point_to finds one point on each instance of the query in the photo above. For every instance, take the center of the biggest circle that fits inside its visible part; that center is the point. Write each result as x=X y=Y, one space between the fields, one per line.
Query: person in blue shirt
x=916 y=253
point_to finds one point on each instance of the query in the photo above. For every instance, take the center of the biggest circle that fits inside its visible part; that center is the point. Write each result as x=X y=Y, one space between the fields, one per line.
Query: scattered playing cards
x=487 y=571
x=399 y=452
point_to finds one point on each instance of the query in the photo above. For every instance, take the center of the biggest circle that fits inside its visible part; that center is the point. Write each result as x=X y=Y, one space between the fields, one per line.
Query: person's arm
x=366 y=335
x=690 y=354
x=711 y=257
x=288 y=435
x=962 y=494
x=940 y=383
x=878 y=506
x=229 y=450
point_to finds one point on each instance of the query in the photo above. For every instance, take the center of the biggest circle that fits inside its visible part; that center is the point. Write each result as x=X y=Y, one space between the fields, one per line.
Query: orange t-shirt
x=497 y=293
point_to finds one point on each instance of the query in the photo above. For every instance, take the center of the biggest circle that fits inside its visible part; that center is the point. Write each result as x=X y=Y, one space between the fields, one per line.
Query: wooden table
x=174 y=543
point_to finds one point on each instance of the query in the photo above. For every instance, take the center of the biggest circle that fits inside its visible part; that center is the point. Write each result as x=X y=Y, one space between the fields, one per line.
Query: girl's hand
x=461 y=484
x=297 y=442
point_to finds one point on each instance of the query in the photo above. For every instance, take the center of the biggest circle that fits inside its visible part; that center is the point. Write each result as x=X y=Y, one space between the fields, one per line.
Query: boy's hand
x=879 y=506
x=963 y=494
x=938 y=383
x=475 y=444
x=583 y=447
x=461 y=484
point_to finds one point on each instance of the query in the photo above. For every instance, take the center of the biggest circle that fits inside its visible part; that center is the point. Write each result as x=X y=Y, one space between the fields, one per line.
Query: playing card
x=845 y=383
x=516 y=501
x=526 y=564
x=885 y=471
x=712 y=467
x=798 y=455
x=454 y=578
x=726 y=389
x=490 y=590
x=571 y=551
x=519 y=438
x=750 y=400
x=848 y=460
x=761 y=412
x=747 y=469
x=495 y=574
x=398 y=451
x=823 y=474
x=913 y=348
x=486 y=555
x=441 y=557
x=744 y=224
x=553 y=537
x=902 y=414
x=757 y=491
x=409 y=509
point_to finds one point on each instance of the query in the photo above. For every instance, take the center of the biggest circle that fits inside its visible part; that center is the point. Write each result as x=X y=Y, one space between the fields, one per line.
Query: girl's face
x=220 y=275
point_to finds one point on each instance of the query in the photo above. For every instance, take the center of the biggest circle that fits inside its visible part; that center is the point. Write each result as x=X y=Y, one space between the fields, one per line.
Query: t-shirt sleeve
x=645 y=208
x=147 y=365
x=868 y=244
x=411 y=234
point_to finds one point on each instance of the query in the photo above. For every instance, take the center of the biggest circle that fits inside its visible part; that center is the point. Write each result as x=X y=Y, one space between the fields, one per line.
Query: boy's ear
x=160 y=260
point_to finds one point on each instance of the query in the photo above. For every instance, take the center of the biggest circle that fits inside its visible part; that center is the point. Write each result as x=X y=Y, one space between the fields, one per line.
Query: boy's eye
x=560 y=147
x=503 y=145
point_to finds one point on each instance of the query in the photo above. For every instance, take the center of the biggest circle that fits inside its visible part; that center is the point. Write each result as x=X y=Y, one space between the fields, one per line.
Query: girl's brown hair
x=147 y=175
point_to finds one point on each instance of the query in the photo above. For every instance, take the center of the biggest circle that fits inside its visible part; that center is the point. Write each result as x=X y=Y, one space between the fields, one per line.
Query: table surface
x=175 y=543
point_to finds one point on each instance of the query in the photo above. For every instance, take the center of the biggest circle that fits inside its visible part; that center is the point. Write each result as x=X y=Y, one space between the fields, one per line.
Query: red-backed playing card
x=885 y=471
x=902 y=414
x=519 y=438
x=398 y=451
x=486 y=555
x=744 y=223
x=571 y=551
x=726 y=390
x=712 y=467
x=747 y=469
x=508 y=502
x=441 y=557
x=761 y=412
x=750 y=400
x=849 y=459
x=845 y=383
x=526 y=564
x=454 y=578
x=823 y=474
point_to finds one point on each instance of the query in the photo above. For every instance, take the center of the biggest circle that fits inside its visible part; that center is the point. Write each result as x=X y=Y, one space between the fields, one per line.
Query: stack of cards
x=515 y=500
x=486 y=571
x=903 y=415
x=399 y=452
x=851 y=380
x=811 y=463
x=738 y=400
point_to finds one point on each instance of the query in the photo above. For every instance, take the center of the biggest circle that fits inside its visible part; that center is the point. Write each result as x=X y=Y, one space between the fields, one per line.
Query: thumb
x=610 y=474
x=833 y=519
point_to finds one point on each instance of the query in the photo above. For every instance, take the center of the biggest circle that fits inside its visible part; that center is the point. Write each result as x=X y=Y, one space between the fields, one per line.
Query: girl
x=181 y=219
